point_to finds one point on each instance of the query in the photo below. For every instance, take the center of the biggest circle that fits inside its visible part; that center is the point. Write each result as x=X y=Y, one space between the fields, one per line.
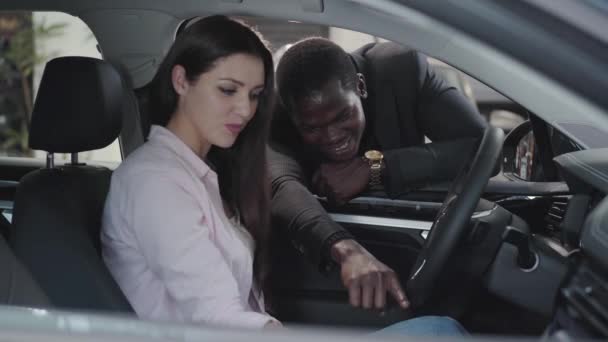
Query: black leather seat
x=57 y=211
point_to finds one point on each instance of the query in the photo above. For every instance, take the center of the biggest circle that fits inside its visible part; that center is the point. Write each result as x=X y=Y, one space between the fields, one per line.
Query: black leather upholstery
x=57 y=211
x=57 y=218
x=79 y=106
x=17 y=287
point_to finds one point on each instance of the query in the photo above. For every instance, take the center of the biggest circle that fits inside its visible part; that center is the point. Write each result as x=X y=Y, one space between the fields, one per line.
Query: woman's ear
x=361 y=86
x=179 y=80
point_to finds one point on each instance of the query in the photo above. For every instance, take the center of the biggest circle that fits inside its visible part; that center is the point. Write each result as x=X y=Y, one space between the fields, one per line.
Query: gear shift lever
x=518 y=234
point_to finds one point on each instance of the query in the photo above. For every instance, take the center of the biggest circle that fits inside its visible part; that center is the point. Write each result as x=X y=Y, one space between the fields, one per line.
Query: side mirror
x=520 y=160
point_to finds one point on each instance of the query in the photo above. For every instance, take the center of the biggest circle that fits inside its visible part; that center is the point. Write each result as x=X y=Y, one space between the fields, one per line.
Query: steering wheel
x=452 y=221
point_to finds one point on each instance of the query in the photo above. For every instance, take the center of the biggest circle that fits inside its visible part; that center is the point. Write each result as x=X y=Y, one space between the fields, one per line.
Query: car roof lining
x=129 y=33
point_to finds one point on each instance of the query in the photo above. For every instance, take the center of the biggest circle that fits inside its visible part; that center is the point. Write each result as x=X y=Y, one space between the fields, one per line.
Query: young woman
x=186 y=219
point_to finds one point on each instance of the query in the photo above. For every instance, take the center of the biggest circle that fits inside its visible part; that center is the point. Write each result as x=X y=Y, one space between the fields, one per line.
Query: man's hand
x=341 y=182
x=367 y=279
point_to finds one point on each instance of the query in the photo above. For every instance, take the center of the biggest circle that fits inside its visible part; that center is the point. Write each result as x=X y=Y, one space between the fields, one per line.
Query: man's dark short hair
x=308 y=65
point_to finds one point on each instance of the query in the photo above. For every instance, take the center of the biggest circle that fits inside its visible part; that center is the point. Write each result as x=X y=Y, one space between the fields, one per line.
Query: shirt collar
x=165 y=137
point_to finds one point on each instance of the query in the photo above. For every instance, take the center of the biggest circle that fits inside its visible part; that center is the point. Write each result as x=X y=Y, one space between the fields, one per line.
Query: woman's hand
x=273 y=324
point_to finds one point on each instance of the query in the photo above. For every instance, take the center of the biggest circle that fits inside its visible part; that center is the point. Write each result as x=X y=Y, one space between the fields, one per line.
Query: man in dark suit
x=355 y=122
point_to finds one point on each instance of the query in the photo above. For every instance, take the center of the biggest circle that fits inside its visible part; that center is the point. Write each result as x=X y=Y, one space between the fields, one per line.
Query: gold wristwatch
x=376 y=165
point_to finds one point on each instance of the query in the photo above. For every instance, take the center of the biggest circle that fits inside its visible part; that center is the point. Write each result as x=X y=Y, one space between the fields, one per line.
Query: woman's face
x=219 y=104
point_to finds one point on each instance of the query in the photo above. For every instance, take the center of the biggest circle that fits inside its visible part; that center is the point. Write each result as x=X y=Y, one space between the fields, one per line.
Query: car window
x=498 y=110
x=27 y=41
x=525 y=157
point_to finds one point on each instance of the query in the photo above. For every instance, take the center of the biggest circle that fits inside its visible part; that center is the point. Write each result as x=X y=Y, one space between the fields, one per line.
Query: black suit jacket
x=406 y=101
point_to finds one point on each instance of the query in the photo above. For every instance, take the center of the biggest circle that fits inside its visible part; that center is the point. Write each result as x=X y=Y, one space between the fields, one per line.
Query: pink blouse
x=169 y=245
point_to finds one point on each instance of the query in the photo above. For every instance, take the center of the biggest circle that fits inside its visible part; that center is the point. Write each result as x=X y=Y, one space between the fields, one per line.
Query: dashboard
x=586 y=173
x=584 y=295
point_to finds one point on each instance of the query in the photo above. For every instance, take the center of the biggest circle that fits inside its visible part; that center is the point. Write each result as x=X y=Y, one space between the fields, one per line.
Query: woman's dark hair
x=242 y=168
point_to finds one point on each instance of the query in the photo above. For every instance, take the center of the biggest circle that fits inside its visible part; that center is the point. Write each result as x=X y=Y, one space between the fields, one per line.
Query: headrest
x=79 y=106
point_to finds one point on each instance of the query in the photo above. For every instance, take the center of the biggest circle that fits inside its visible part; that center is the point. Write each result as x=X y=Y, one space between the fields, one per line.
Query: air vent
x=556 y=212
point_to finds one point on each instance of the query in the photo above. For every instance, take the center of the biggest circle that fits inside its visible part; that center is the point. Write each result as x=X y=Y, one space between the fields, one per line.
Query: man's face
x=331 y=120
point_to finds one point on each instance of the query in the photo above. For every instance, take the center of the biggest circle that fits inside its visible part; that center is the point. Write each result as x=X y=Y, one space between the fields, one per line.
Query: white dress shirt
x=169 y=245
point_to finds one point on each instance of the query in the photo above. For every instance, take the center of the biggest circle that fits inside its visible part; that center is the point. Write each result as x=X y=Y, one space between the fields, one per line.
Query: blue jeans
x=425 y=326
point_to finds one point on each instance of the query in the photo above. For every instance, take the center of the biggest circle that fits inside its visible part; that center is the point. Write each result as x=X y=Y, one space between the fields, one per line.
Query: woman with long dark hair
x=186 y=219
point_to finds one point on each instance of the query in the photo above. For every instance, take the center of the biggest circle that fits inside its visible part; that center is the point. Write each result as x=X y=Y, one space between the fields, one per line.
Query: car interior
x=510 y=251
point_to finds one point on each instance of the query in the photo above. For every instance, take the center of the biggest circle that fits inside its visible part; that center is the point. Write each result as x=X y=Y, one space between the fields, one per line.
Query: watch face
x=374 y=155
